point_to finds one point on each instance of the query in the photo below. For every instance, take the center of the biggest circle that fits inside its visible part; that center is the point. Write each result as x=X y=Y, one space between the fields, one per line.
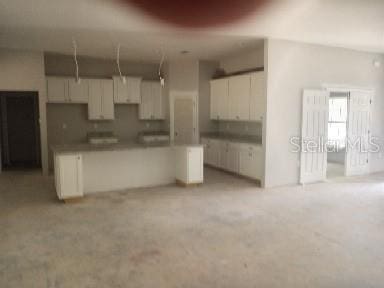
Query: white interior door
x=357 y=161
x=313 y=160
x=184 y=121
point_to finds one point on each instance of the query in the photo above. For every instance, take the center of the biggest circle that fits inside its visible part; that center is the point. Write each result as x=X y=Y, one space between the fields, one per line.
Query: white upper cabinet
x=67 y=90
x=238 y=98
x=258 y=96
x=151 y=106
x=78 y=92
x=57 y=90
x=128 y=92
x=101 y=106
x=239 y=90
x=219 y=99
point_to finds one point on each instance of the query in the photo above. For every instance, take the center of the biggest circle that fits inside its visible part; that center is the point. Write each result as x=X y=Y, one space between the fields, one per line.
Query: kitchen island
x=87 y=168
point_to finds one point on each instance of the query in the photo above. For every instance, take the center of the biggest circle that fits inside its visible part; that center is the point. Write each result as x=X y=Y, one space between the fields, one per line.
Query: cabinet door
x=239 y=94
x=70 y=172
x=157 y=105
x=95 y=99
x=107 y=105
x=223 y=155
x=195 y=164
x=251 y=162
x=205 y=143
x=233 y=158
x=134 y=85
x=258 y=97
x=78 y=92
x=245 y=162
x=219 y=99
x=145 y=109
x=57 y=89
x=214 y=153
x=120 y=91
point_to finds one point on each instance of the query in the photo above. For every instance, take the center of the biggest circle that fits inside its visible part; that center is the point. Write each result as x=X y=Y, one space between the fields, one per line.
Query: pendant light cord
x=75 y=58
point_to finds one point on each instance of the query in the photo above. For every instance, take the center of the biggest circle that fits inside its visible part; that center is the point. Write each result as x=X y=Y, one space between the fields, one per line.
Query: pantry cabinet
x=127 y=92
x=151 y=105
x=69 y=175
x=238 y=98
x=101 y=106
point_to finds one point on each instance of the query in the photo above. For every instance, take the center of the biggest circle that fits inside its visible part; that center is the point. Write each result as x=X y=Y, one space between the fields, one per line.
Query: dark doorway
x=20 y=132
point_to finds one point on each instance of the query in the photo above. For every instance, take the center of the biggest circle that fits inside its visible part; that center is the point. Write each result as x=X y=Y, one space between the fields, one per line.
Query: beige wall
x=206 y=71
x=292 y=67
x=244 y=61
x=21 y=70
x=63 y=65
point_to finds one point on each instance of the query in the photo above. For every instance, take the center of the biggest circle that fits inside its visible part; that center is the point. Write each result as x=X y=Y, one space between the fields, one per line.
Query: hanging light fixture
x=161 y=77
x=74 y=44
x=123 y=79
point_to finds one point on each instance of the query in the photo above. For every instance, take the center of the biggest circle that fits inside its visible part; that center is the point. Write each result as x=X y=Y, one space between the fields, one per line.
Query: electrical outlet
x=64 y=126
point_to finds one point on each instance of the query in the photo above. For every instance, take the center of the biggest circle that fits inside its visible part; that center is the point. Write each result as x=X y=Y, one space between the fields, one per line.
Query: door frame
x=343 y=88
x=179 y=94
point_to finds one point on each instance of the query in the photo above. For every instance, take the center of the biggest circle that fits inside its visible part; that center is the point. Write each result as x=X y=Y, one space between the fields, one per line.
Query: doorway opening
x=337 y=134
x=19 y=131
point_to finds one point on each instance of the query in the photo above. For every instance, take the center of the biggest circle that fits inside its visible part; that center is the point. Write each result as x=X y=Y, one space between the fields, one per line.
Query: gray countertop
x=247 y=139
x=85 y=147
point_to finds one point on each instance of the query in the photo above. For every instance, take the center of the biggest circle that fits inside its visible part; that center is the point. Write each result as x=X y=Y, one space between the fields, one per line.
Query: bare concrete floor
x=226 y=233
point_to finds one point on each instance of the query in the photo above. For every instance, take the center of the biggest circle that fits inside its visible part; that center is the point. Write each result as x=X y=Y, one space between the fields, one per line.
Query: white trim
x=345 y=88
x=179 y=94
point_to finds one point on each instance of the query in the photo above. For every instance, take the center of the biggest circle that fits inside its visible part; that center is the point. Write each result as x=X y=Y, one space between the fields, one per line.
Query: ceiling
x=98 y=26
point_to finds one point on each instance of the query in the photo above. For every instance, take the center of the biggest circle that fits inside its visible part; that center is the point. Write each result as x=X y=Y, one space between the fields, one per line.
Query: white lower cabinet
x=211 y=151
x=69 y=176
x=250 y=161
x=238 y=158
x=189 y=164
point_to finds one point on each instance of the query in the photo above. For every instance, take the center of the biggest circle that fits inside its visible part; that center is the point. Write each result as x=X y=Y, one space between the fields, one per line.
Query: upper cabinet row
x=239 y=98
x=102 y=94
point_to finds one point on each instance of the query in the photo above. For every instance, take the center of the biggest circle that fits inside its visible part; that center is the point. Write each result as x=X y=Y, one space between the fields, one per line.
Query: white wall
x=206 y=71
x=244 y=60
x=292 y=67
x=20 y=71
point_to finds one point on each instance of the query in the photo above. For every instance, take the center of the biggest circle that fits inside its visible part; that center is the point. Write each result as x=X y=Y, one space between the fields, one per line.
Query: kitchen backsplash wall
x=241 y=128
x=69 y=124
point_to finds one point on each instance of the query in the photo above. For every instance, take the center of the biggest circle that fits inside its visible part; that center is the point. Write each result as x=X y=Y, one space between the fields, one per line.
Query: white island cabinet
x=69 y=176
x=189 y=165
x=86 y=168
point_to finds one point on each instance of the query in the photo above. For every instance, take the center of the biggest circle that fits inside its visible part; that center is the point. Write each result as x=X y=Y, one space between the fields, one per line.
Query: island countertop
x=86 y=147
